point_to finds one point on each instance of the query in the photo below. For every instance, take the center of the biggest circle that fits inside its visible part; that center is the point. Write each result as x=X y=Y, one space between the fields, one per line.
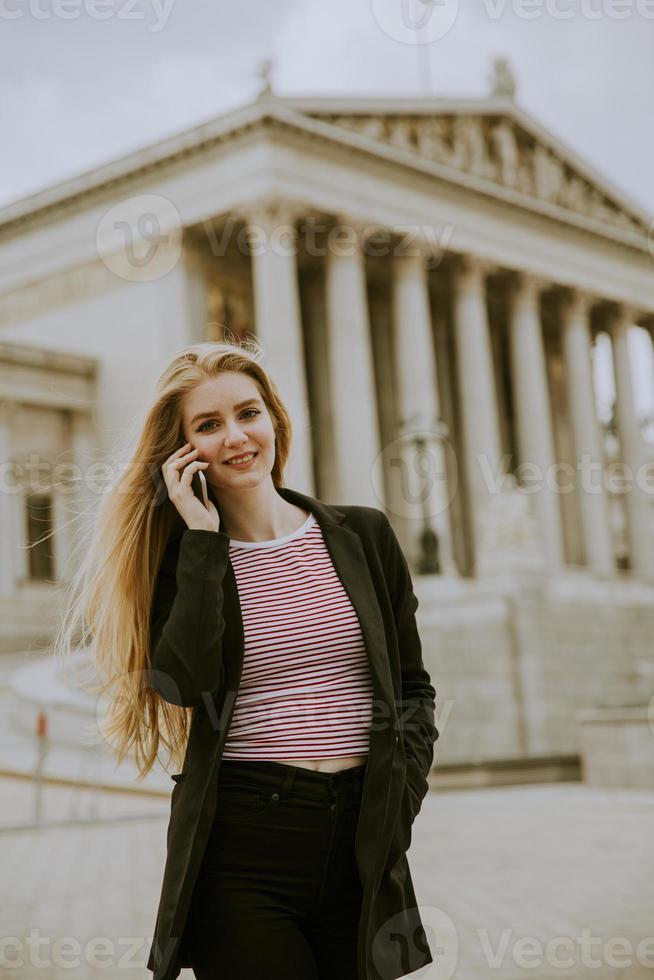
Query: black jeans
x=278 y=896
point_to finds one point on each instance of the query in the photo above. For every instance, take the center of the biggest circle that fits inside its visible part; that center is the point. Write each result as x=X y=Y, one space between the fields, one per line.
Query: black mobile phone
x=199 y=487
x=199 y=484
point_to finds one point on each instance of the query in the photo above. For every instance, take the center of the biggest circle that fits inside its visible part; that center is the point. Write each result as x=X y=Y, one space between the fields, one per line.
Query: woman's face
x=228 y=427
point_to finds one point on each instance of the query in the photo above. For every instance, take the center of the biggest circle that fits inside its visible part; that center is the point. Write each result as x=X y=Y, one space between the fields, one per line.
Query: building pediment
x=491 y=146
x=501 y=149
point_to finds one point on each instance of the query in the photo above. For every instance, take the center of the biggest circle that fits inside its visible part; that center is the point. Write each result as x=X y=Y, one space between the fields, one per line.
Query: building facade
x=430 y=281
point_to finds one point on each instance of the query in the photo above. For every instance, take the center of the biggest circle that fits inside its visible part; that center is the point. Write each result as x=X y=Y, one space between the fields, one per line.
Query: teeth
x=240 y=459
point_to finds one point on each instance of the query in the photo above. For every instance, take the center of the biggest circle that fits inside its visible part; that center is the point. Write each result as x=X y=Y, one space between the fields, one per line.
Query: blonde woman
x=267 y=641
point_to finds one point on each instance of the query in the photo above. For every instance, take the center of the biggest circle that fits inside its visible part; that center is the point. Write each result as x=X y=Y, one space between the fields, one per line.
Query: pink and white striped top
x=305 y=690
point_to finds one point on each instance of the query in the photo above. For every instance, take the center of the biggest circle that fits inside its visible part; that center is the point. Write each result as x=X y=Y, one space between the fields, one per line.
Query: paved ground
x=498 y=872
x=503 y=872
x=550 y=881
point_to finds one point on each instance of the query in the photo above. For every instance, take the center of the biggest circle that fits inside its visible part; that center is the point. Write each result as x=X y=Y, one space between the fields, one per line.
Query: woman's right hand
x=178 y=471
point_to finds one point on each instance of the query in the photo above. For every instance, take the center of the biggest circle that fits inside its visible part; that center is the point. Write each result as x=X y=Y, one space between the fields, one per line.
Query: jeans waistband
x=282 y=777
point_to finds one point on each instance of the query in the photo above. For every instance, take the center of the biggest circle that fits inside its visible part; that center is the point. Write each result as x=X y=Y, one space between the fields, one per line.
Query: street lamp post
x=429 y=560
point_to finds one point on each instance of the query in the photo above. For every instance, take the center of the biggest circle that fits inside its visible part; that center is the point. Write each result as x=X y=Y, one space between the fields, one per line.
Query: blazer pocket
x=415 y=779
x=415 y=801
x=402 y=832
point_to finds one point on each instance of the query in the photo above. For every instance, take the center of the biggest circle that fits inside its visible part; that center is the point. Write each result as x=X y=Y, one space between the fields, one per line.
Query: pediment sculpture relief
x=495 y=148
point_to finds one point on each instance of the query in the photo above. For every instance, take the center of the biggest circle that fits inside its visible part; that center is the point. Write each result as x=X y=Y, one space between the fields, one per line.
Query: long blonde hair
x=107 y=604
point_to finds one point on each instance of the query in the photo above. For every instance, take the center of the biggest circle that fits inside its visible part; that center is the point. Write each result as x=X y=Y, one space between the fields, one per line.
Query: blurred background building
x=439 y=286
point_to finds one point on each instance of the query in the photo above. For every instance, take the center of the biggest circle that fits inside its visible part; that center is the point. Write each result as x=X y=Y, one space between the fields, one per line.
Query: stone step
x=507 y=772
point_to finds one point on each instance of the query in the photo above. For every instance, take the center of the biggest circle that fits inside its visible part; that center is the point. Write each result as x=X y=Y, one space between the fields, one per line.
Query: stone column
x=273 y=246
x=84 y=502
x=532 y=412
x=476 y=382
x=313 y=295
x=63 y=521
x=351 y=369
x=593 y=505
x=419 y=485
x=638 y=504
x=182 y=300
x=8 y=526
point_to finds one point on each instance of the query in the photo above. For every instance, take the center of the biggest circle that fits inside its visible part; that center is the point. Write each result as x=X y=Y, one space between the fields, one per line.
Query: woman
x=268 y=641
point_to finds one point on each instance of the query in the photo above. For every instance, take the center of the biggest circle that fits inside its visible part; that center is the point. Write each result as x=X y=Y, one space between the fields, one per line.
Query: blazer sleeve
x=186 y=622
x=418 y=705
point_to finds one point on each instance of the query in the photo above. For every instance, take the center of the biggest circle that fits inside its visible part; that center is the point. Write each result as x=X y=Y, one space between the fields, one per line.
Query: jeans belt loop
x=289 y=779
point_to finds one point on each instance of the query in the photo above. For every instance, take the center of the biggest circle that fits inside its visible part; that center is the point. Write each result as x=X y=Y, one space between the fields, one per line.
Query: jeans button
x=275 y=796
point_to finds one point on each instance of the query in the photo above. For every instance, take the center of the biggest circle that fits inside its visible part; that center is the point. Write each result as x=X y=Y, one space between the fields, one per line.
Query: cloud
x=81 y=92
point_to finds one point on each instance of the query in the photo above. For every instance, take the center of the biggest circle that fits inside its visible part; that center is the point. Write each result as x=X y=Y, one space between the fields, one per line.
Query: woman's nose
x=234 y=435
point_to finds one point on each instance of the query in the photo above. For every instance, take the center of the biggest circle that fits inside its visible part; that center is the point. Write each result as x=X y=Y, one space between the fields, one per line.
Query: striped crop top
x=305 y=690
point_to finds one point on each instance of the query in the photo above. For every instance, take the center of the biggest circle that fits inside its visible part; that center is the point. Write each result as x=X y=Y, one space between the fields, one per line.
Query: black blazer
x=196 y=661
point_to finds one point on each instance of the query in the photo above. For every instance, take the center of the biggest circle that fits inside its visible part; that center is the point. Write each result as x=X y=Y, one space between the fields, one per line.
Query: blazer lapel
x=233 y=640
x=351 y=565
x=349 y=559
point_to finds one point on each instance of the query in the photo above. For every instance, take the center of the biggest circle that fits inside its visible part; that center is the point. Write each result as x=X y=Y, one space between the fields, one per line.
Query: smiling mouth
x=250 y=457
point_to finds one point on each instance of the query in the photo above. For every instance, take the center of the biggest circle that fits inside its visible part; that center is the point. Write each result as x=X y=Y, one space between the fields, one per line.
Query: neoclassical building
x=431 y=281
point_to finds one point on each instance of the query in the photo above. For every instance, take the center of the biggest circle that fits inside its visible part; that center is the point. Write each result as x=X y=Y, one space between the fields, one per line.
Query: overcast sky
x=84 y=81
x=78 y=90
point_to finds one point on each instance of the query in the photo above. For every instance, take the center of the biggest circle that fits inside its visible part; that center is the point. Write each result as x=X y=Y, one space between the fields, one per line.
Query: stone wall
x=511 y=671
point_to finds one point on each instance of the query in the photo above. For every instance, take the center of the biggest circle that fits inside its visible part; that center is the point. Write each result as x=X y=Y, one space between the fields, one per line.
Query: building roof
x=349 y=122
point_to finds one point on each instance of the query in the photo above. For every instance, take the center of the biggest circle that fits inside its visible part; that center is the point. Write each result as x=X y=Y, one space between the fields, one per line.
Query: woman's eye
x=247 y=412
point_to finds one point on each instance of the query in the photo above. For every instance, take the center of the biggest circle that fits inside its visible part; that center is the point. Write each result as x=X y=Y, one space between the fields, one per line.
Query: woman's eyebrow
x=206 y=415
